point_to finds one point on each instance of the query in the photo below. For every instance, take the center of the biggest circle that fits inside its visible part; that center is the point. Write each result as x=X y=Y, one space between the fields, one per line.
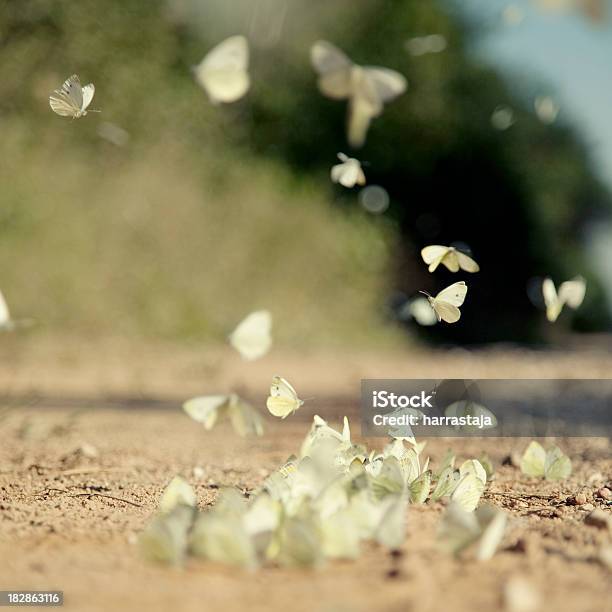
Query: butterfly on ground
x=349 y=173
x=252 y=338
x=223 y=73
x=71 y=99
x=446 y=303
x=283 y=399
x=570 y=292
x=448 y=256
x=367 y=88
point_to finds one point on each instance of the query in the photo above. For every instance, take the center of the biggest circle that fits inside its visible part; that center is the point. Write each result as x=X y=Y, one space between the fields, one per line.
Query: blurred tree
x=518 y=197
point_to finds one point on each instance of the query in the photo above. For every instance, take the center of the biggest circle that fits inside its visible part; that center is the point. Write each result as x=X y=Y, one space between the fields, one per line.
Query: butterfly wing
x=5 y=315
x=283 y=399
x=572 y=292
x=348 y=174
x=468 y=492
x=67 y=101
x=433 y=255
x=252 y=337
x=466 y=263
x=206 y=409
x=223 y=71
x=388 y=84
x=454 y=294
x=492 y=522
x=551 y=300
x=423 y=313
x=88 y=93
x=246 y=421
x=557 y=466
x=534 y=460
x=334 y=69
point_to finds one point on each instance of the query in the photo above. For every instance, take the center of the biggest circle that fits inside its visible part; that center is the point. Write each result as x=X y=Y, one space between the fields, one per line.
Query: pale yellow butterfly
x=571 y=292
x=71 y=99
x=448 y=256
x=252 y=338
x=468 y=491
x=551 y=464
x=367 y=88
x=283 y=399
x=446 y=303
x=460 y=529
x=349 y=173
x=223 y=73
x=209 y=409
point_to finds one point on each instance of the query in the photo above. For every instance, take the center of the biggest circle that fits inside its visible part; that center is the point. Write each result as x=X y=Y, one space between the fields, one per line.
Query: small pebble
x=599 y=518
x=580 y=499
x=604 y=493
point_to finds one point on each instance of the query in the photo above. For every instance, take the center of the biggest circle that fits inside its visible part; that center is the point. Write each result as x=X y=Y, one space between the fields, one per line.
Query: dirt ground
x=87 y=447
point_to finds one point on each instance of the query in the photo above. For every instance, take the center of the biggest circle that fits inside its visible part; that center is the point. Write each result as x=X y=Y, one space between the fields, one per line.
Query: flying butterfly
x=223 y=73
x=570 y=292
x=71 y=99
x=450 y=257
x=283 y=399
x=252 y=337
x=446 y=303
x=367 y=88
x=349 y=173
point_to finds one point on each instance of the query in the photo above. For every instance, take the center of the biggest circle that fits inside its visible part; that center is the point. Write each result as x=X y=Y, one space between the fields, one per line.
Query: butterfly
x=484 y=528
x=349 y=173
x=469 y=490
x=446 y=303
x=283 y=399
x=571 y=292
x=551 y=464
x=209 y=409
x=252 y=337
x=178 y=492
x=223 y=73
x=449 y=256
x=367 y=88
x=72 y=100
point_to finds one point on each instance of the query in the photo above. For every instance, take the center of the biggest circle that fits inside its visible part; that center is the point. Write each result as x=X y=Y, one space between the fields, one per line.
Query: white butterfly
x=367 y=88
x=209 y=409
x=450 y=257
x=571 y=292
x=468 y=491
x=349 y=173
x=460 y=529
x=223 y=71
x=446 y=303
x=551 y=464
x=72 y=100
x=252 y=337
x=283 y=399
x=421 y=311
x=178 y=492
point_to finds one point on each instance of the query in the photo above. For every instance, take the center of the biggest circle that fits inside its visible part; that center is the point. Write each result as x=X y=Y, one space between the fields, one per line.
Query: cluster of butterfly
x=323 y=503
x=335 y=494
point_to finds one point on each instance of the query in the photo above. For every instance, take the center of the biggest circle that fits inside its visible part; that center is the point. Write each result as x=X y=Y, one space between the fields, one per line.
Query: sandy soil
x=80 y=474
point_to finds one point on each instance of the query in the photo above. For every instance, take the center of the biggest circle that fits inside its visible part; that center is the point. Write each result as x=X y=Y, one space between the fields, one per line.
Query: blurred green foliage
x=197 y=220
